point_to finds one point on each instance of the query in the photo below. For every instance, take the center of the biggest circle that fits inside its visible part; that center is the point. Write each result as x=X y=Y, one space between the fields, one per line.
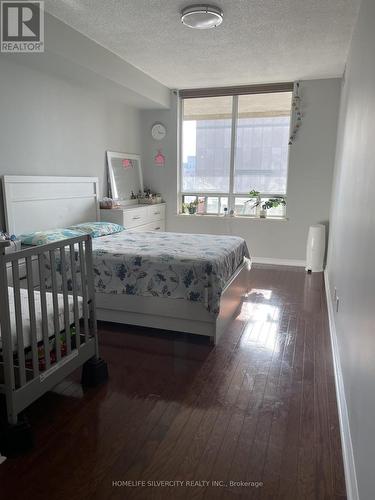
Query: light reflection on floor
x=266 y=294
x=263 y=321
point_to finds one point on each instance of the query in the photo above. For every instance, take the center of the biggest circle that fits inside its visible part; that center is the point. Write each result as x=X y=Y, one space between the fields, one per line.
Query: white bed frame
x=38 y=202
x=33 y=203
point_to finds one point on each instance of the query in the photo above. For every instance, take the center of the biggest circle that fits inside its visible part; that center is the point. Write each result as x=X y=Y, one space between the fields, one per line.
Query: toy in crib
x=52 y=351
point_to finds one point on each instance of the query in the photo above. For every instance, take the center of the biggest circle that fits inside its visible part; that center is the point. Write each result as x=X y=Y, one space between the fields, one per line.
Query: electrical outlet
x=337 y=304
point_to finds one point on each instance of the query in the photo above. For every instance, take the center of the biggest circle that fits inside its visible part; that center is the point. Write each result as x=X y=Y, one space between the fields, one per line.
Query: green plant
x=254 y=194
x=270 y=203
x=273 y=202
x=190 y=208
x=265 y=205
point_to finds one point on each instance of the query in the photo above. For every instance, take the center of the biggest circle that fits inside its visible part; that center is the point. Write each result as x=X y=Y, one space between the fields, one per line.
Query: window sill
x=235 y=217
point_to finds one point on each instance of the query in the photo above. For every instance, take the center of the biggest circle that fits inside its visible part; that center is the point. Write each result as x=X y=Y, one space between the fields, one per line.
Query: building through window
x=231 y=145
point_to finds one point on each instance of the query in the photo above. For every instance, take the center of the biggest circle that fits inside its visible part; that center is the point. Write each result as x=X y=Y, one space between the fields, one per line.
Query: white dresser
x=137 y=217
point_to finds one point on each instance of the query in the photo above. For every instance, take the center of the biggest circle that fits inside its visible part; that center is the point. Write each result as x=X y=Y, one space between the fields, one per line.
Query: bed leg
x=16 y=438
x=94 y=372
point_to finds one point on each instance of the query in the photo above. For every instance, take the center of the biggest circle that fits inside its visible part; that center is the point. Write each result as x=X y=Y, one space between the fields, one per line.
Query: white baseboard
x=346 y=440
x=278 y=262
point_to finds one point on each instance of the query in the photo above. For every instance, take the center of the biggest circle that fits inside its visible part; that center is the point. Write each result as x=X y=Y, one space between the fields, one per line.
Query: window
x=232 y=144
x=206 y=146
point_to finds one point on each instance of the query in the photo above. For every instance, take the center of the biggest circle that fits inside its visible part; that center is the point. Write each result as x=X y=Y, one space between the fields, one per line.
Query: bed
x=44 y=335
x=184 y=282
x=205 y=306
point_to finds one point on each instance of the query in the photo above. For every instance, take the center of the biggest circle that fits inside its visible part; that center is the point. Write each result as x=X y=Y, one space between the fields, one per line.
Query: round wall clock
x=158 y=131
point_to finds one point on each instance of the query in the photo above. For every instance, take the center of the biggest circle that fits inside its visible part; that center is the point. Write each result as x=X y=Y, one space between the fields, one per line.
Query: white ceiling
x=259 y=40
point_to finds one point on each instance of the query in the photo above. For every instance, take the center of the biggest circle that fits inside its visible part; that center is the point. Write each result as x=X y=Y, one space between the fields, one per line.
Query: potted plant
x=263 y=206
x=255 y=195
x=190 y=208
x=274 y=203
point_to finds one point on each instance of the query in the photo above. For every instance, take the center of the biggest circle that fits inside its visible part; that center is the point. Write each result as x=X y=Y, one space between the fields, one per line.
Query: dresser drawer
x=158 y=225
x=112 y=215
x=156 y=212
x=135 y=217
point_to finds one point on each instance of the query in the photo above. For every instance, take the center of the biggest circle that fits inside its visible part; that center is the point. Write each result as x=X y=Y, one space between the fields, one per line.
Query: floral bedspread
x=193 y=267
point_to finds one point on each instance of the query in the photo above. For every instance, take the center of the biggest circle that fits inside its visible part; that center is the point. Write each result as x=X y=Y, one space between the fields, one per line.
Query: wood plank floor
x=258 y=408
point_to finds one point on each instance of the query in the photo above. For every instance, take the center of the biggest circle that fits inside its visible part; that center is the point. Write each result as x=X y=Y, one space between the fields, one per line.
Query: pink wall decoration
x=159 y=159
x=127 y=163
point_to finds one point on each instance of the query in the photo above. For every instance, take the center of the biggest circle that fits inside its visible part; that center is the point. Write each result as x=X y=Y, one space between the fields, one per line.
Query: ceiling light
x=202 y=17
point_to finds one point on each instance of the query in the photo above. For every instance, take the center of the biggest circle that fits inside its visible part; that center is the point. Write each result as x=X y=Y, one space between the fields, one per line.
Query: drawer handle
x=157 y=228
x=156 y=213
x=136 y=218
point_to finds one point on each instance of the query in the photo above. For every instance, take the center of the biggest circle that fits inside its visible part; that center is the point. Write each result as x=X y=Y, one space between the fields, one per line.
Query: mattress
x=38 y=315
x=194 y=267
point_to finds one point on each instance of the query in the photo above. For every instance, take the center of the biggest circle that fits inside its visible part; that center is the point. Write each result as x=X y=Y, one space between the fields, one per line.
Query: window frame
x=235 y=93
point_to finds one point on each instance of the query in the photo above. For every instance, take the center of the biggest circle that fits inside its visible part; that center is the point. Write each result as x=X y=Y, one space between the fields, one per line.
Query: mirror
x=125 y=176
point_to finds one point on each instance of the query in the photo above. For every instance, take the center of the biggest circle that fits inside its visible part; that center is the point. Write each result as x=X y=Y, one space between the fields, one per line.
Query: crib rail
x=51 y=345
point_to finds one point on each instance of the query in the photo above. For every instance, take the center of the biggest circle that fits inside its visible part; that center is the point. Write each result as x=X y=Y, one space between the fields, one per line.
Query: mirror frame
x=111 y=178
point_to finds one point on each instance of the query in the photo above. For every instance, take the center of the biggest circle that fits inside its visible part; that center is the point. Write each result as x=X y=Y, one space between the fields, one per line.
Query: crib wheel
x=16 y=439
x=94 y=372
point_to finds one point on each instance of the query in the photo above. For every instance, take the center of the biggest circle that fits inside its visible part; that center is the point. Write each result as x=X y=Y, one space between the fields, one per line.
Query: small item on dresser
x=150 y=198
x=106 y=203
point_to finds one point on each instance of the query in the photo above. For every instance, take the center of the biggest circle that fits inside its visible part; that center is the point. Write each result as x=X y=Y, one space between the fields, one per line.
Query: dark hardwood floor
x=258 y=408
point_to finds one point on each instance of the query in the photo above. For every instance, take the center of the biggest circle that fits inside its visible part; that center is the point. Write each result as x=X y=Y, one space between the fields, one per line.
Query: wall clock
x=158 y=131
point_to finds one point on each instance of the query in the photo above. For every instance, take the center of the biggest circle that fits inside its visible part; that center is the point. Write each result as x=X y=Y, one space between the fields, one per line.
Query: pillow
x=97 y=229
x=42 y=237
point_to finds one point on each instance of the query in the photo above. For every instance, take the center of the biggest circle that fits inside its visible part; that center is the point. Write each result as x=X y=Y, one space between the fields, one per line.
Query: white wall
x=351 y=251
x=71 y=54
x=309 y=184
x=51 y=127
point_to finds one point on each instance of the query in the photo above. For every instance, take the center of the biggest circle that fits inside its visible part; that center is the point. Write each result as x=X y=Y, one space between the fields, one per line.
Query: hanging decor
x=296 y=115
x=126 y=163
x=159 y=159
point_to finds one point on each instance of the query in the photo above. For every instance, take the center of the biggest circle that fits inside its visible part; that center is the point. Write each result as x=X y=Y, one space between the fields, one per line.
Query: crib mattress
x=38 y=315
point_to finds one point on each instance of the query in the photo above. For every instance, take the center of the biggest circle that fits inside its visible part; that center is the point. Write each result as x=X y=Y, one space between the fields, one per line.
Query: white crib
x=46 y=334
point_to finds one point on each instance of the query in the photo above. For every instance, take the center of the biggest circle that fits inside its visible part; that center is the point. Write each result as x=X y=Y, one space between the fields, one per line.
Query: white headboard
x=33 y=203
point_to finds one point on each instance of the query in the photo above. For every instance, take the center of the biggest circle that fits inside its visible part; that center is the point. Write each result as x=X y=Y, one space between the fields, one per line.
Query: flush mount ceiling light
x=202 y=17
